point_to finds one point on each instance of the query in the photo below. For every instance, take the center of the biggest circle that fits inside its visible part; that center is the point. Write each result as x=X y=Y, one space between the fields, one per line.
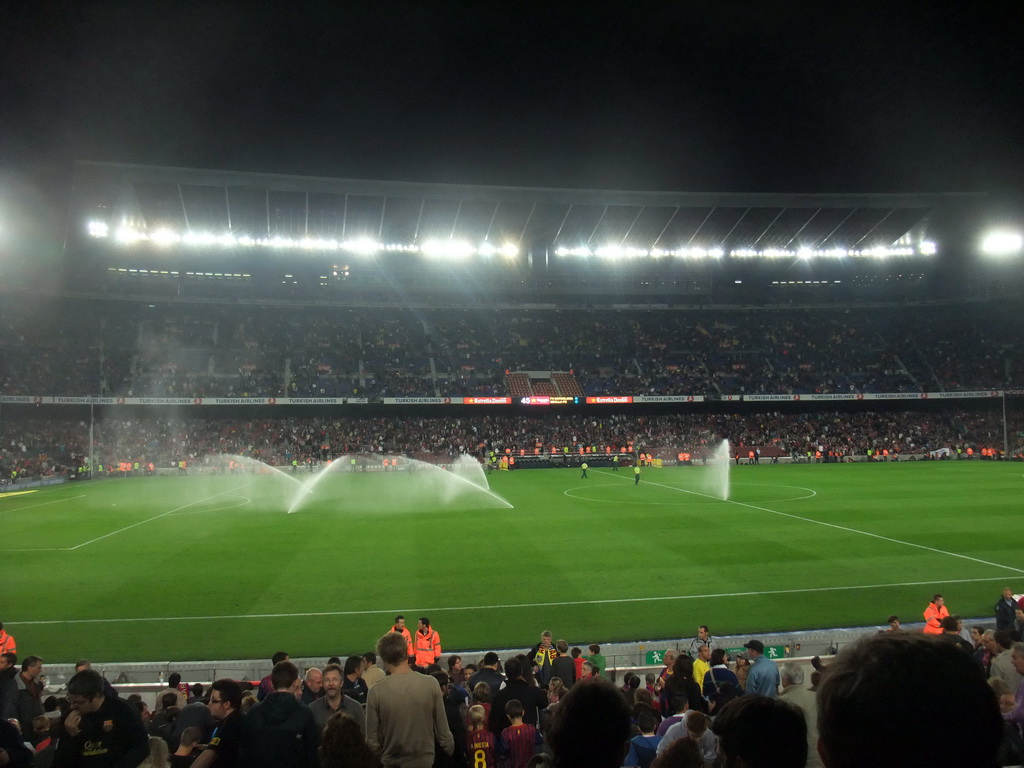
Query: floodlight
x=1002 y=243
x=452 y=248
x=99 y=228
x=716 y=253
x=164 y=236
x=128 y=234
x=927 y=248
x=511 y=250
x=486 y=249
x=364 y=245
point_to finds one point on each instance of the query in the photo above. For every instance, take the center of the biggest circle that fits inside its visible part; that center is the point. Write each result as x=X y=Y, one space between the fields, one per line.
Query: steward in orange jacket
x=400 y=628
x=427 y=642
x=934 y=614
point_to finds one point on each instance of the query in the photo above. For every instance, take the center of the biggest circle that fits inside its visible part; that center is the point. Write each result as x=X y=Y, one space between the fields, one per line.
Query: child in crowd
x=520 y=741
x=480 y=741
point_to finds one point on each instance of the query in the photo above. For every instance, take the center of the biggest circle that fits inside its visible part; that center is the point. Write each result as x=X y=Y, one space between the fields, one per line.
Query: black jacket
x=279 y=732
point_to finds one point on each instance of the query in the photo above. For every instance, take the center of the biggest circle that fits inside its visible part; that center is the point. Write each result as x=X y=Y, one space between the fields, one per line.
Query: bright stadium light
x=927 y=248
x=510 y=250
x=1002 y=243
x=99 y=228
x=452 y=248
x=364 y=245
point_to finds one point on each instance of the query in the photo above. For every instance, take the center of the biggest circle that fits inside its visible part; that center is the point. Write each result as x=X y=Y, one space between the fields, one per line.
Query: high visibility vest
x=428 y=647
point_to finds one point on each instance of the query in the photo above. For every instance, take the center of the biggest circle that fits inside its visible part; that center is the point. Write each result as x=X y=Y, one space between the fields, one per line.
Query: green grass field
x=179 y=568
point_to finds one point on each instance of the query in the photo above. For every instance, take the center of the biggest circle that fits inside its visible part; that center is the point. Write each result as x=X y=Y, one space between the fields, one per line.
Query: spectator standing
x=763 y=679
x=531 y=697
x=759 y=732
x=335 y=700
x=564 y=666
x=266 y=684
x=372 y=674
x=29 y=692
x=404 y=712
x=353 y=684
x=280 y=731
x=1005 y=610
x=100 y=731
x=489 y=673
x=312 y=686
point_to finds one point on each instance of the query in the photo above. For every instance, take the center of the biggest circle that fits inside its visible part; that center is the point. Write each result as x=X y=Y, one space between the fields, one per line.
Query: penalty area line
x=843 y=528
x=41 y=504
x=506 y=606
x=156 y=517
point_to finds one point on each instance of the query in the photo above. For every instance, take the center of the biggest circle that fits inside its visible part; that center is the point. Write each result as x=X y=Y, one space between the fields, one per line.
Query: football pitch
x=185 y=567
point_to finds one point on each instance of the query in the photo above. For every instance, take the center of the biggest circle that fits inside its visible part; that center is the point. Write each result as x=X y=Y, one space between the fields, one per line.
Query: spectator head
x=354 y=665
x=562 y=647
x=8 y=659
x=225 y=697
x=646 y=721
x=393 y=649
x=370 y=658
x=717 y=657
x=590 y=728
x=41 y=726
x=248 y=702
x=314 y=679
x=681 y=753
x=342 y=742
x=545 y=637
x=682 y=667
x=491 y=659
x=32 y=667
x=513 y=668
x=285 y=677
x=697 y=724
x=514 y=709
x=575 y=653
x=173 y=680
x=197 y=690
x=893 y=622
x=276 y=659
x=556 y=689
x=759 y=732
x=755 y=648
x=82 y=664
x=923 y=702
x=949 y=624
x=1003 y=638
x=454 y=660
x=477 y=717
x=482 y=693
x=1017 y=658
x=190 y=737
x=85 y=691
x=169 y=699
x=159 y=754
x=791 y=674
x=594 y=648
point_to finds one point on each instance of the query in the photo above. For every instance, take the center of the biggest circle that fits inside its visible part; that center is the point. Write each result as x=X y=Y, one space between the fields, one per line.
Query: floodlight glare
x=99 y=228
x=511 y=250
x=1002 y=243
x=363 y=245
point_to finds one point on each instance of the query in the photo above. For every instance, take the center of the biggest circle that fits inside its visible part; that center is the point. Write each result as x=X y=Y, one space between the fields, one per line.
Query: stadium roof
x=271 y=205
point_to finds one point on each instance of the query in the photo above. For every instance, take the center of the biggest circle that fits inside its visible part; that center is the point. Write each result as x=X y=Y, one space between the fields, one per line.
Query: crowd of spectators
x=32 y=447
x=404 y=705
x=201 y=350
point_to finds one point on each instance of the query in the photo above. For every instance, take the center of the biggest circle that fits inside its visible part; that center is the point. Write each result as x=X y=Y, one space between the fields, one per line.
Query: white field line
x=41 y=504
x=156 y=517
x=506 y=606
x=837 y=527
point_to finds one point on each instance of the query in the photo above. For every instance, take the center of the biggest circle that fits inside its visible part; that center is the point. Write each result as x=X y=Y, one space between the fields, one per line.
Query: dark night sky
x=718 y=96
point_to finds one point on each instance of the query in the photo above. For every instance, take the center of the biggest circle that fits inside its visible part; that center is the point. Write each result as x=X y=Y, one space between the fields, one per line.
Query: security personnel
x=584 y=467
x=427 y=643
